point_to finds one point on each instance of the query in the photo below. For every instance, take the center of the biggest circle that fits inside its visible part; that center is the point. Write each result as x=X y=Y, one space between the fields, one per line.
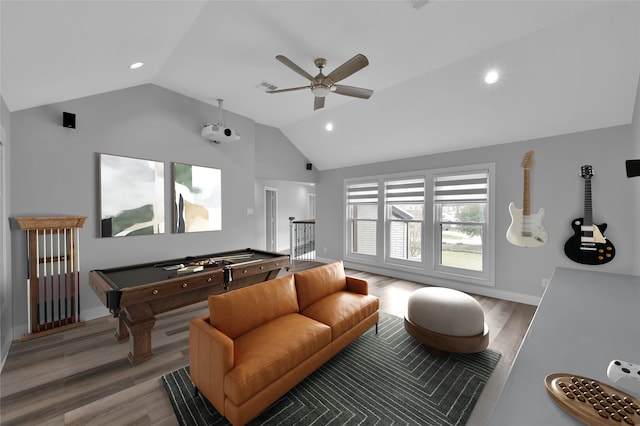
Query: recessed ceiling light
x=136 y=65
x=329 y=127
x=491 y=77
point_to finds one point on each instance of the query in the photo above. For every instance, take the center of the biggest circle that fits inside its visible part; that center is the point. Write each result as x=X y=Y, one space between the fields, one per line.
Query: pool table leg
x=121 y=333
x=139 y=322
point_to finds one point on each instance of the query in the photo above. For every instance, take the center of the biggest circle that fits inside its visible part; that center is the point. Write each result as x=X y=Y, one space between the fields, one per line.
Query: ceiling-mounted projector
x=218 y=133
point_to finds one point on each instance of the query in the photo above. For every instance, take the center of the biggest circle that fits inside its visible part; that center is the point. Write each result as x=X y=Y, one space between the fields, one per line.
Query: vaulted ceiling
x=565 y=66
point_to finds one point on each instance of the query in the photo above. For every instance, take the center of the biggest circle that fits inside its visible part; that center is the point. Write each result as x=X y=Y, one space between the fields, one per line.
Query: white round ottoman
x=446 y=320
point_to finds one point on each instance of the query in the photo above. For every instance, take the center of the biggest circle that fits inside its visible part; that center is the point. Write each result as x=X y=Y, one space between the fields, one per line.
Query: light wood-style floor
x=82 y=376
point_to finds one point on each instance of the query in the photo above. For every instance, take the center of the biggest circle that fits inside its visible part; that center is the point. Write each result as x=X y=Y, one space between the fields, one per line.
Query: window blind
x=362 y=193
x=404 y=191
x=461 y=188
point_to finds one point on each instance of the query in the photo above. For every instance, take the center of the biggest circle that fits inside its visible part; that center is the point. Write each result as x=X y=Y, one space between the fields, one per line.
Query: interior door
x=271 y=218
x=312 y=206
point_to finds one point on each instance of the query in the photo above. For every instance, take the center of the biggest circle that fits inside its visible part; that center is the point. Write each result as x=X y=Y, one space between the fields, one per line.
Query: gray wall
x=6 y=293
x=55 y=173
x=635 y=184
x=555 y=185
x=281 y=166
x=277 y=158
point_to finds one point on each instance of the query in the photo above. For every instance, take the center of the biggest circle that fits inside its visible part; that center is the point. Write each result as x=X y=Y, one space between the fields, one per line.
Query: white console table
x=585 y=319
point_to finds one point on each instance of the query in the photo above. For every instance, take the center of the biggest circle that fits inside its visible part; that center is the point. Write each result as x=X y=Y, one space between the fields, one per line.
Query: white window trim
x=405 y=263
x=429 y=265
x=487 y=275
x=348 y=254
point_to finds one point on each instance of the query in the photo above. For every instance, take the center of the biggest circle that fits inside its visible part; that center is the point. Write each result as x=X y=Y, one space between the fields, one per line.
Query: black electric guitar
x=588 y=244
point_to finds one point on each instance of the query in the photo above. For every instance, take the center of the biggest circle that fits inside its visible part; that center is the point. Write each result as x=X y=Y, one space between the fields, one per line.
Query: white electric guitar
x=526 y=229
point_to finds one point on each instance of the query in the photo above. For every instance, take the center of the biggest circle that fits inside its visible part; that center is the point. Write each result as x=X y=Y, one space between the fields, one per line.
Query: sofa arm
x=210 y=358
x=357 y=285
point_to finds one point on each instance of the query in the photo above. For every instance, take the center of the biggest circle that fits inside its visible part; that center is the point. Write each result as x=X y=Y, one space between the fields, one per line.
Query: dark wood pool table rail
x=136 y=293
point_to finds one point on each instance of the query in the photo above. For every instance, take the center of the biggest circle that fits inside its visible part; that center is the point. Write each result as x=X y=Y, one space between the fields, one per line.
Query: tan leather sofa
x=258 y=342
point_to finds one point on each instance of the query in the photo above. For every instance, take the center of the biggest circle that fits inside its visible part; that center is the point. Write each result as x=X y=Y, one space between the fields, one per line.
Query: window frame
x=429 y=265
x=348 y=240
x=388 y=220
x=487 y=275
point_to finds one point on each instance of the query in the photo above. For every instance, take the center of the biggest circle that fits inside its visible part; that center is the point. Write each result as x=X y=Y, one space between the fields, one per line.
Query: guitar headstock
x=586 y=171
x=527 y=160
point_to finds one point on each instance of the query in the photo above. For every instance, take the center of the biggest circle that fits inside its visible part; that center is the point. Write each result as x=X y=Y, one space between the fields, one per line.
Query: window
x=460 y=222
x=362 y=213
x=437 y=223
x=404 y=213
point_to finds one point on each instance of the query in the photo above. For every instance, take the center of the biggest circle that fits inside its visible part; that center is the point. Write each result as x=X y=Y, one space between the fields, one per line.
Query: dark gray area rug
x=382 y=379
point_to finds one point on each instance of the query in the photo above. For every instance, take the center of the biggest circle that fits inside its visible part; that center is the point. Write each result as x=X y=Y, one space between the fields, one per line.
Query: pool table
x=136 y=293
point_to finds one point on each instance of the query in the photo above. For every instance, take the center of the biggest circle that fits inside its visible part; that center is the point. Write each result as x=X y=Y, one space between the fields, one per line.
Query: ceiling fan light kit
x=321 y=85
x=320 y=90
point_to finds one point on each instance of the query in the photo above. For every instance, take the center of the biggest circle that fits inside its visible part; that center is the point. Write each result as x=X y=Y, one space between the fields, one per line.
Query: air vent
x=417 y=4
x=265 y=85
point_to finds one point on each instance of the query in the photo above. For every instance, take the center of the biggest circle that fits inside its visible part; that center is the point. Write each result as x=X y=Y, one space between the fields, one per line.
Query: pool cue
x=28 y=283
x=233 y=257
x=66 y=293
x=37 y=325
x=72 y=306
x=53 y=316
x=46 y=277
x=77 y=245
x=59 y=292
x=199 y=259
x=44 y=274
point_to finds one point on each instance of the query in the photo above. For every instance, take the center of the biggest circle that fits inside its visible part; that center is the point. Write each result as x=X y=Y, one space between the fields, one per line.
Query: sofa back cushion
x=316 y=283
x=239 y=311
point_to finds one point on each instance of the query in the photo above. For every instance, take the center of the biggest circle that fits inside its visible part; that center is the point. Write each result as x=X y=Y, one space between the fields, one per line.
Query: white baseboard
x=86 y=315
x=3 y=360
x=94 y=313
x=424 y=279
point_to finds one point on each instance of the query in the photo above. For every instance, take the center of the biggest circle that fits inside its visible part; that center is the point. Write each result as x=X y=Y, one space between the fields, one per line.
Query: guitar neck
x=526 y=202
x=588 y=214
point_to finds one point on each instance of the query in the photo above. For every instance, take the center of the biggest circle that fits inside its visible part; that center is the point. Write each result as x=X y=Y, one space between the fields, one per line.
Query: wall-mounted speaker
x=633 y=168
x=69 y=120
x=309 y=166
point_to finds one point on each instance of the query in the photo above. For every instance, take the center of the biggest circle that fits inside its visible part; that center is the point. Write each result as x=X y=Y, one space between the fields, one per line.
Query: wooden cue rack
x=53 y=274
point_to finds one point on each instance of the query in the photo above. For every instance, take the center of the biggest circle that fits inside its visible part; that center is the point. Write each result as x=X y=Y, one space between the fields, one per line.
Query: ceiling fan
x=321 y=84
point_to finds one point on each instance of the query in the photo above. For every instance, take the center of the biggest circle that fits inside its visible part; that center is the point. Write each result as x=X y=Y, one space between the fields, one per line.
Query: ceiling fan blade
x=318 y=103
x=288 y=62
x=356 y=92
x=291 y=89
x=345 y=70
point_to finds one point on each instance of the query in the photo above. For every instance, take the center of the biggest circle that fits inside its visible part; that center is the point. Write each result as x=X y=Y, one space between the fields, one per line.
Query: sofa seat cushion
x=342 y=310
x=265 y=353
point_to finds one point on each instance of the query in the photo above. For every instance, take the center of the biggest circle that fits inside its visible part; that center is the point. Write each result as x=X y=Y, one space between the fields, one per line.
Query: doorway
x=271 y=218
x=312 y=206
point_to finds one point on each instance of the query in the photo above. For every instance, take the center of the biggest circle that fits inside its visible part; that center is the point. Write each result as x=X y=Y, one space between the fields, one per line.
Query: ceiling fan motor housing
x=321 y=85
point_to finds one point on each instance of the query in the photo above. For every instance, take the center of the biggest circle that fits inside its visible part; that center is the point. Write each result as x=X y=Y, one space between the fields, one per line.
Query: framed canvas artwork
x=131 y=196
x=197 y=198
